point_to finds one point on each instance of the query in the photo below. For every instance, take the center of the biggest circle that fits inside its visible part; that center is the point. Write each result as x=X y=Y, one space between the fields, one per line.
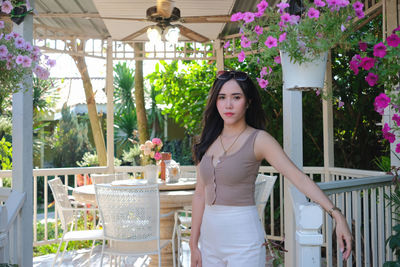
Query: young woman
x=228 y=155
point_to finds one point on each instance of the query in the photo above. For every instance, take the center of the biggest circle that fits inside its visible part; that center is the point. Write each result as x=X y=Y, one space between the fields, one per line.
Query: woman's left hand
x=343 y=235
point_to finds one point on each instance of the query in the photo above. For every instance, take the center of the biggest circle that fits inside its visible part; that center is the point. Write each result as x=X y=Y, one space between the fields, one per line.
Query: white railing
x=10 y=206
x=368 y=212
x=274 y=224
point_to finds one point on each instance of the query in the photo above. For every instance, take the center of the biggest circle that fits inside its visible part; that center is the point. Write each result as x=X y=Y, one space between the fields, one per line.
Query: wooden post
x=219 y=50
x=110 y=106
x=391 y=20
x=327 y=115
x=22 y=174
x=293 y=146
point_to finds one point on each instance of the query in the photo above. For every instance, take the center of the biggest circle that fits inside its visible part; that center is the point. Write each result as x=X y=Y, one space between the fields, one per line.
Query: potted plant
x=16 y=9
x=150 y=156
x=379 y=62
x=275 y=36
x=18 y=59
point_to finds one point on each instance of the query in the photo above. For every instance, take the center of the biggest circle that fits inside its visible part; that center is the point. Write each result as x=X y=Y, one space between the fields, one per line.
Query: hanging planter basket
x=305 y=76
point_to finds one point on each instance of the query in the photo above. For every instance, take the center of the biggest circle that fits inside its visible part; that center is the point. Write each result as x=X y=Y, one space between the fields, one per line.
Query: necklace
x=237 y=137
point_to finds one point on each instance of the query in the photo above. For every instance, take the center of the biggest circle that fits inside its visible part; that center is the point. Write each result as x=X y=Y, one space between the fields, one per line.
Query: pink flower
x=26 y=62
x=6 y=7
x=227 y=44
x=1 y=24
x=380 y=50
x=28 y=46
x=244 y=42
x=398 y=148
x=381 y=102
x=385 y=128
x=41 y=72
x=318 y=92
x=358 y=5
x=371 y=79
x=344 y=3
x=342 y=28
x=319 y=3
x=19 y=59
x=393 y=40
x=388 y=135
x=51 y=62
x=237 y=16
x=271 y=42
x=3 y=51
x=285 y=17
x=313 y=13
x=363 y=46
x=258 y=29
x=265 y=70
x=157 y=156
x=294 y=19
x=262 y=5
x=397 y=29
x=282 y=6
x=277 y=60
x=248 y=17
x=354 y=66
x=340 y=104
x=259 y=13
x=396 y=118
x=241 y=56
x=156 y=141
x=263 y=83
x=360 y=14
x=367 y=63
x=19 y=42
x=282 y=37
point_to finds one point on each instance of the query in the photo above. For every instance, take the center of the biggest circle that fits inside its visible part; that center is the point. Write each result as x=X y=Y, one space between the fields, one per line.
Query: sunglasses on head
x=227 y=75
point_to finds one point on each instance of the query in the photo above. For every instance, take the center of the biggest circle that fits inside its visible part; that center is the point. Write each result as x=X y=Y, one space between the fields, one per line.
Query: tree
x=184 y=92
x=69 y=141
x=98 y=137
x=139 y=95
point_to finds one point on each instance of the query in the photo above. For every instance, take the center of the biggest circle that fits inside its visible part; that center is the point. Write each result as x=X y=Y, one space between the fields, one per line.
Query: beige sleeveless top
x=231 y=181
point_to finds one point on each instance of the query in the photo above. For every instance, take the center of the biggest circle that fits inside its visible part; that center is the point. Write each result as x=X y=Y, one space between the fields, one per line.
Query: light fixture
x=172 y=34
x=154 y=34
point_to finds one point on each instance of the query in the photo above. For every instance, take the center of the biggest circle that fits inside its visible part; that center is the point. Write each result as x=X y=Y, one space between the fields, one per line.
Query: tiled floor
x=81 y=258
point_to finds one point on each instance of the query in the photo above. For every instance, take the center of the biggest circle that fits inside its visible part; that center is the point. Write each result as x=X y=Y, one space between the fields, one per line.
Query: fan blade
x=191 y=34
x=135 y=34
x=127 y=19
x=206 y=19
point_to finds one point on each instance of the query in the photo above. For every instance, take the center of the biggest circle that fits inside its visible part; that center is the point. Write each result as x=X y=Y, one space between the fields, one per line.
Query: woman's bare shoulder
x=264 y=141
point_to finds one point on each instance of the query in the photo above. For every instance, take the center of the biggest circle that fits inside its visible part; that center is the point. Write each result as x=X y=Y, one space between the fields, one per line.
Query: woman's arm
x=198 y=203
x=266 y=147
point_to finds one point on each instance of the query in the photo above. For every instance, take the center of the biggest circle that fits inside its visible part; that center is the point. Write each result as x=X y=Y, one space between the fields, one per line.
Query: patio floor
x=81 y=258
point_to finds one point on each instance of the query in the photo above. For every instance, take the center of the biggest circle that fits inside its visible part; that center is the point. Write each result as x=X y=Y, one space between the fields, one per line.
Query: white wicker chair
x=183 y=218
x=131 y=220
x=263 y=189
x=68 y=215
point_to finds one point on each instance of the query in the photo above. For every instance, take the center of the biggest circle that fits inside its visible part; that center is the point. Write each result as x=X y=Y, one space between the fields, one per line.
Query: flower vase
x=151 y=173
x=304 y=76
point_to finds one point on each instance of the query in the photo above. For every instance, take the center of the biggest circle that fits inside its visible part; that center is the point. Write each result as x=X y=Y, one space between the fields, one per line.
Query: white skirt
x=232 y=236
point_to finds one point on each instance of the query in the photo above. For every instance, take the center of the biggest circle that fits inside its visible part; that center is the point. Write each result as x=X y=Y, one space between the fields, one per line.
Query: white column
x=293 y=146
x=110 y=106
x=219 y=50
x=327 y=115
x=308 y=238
x=22 y=175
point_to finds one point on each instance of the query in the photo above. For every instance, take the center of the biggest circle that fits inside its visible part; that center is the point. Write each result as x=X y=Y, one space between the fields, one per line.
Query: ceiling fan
x=165 y=13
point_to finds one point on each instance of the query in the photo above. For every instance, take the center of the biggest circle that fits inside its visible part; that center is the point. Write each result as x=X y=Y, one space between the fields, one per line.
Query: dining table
x=173 y=196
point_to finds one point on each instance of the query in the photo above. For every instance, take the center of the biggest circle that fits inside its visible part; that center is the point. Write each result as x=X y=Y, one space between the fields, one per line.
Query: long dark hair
x=213 y=123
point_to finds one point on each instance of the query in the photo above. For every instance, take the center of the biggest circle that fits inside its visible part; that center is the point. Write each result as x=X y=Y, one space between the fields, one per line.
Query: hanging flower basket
x=303 y=76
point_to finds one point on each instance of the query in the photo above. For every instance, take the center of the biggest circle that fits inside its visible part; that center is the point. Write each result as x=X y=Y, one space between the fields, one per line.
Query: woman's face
x=231 y=102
